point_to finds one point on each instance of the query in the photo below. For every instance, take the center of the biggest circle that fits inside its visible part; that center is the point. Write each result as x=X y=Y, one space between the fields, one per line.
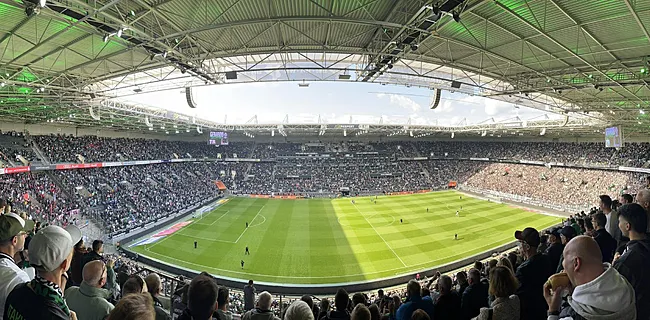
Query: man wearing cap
x=566 y=234
x=12 y=240
x=555 y=248
x=50 y=253
x=532 y=274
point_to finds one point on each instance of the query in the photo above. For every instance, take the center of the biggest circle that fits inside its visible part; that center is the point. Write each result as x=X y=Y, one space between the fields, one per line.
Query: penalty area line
x=242 y=233
x=382 y=238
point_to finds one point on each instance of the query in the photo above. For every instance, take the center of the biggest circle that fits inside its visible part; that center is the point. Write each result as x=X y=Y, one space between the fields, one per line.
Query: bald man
x=643 y=199
x=89 y=299
x=589 y=279
x=263 y=309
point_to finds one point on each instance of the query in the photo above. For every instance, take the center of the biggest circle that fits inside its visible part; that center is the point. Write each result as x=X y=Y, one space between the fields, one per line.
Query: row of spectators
x=62 y=148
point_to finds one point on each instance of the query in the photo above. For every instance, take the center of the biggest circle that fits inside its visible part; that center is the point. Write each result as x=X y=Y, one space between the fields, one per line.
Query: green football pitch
x=319 y=241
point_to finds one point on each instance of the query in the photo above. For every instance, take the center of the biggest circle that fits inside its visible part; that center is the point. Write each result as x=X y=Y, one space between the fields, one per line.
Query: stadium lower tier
x=338 y=241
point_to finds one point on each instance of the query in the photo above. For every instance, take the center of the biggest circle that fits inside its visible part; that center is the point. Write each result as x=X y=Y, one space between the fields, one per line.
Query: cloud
x=401 y=101
x=496 y=107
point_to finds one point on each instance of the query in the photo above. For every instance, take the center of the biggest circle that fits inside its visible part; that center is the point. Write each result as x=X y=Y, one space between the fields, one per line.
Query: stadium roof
x=586 y=59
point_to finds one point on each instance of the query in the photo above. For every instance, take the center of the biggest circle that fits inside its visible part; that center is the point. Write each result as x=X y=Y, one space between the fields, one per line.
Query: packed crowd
x=590 y=267
x=558 y=185
x=125 y=197
x=65 y=148
x=12 y=145
x=62 y=148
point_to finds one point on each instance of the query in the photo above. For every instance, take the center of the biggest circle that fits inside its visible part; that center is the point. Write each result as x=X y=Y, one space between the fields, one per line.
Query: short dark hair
x=307 y=299
x=627 y=197
x=606 y=200
x=635 y=215
x=341 y=299
x=358 y=298
x=601 y=219
x=97 y=244
x=250 y=281
x=478 y=265
x=202 y=296
x=222 y=298
x=134 y=284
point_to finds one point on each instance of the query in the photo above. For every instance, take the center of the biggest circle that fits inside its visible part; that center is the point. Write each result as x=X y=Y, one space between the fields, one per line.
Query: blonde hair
x=502 y=282
x=135 y=306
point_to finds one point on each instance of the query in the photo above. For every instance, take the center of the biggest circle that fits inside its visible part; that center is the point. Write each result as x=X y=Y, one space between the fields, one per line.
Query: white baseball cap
x=51 y=245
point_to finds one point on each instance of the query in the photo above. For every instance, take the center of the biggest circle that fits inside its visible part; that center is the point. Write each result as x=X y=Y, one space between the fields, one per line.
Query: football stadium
x=324 y=159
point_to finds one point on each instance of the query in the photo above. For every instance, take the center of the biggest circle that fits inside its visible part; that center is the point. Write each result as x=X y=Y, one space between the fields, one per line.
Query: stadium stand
x=118 y=198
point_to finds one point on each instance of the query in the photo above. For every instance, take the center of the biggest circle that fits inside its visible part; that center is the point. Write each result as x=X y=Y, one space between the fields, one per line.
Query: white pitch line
x=258 y=212
x=215 y=221
x=382 y=238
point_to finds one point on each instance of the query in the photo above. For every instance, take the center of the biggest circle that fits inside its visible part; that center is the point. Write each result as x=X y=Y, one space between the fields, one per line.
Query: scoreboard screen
x=613 y=137
x=218 y=138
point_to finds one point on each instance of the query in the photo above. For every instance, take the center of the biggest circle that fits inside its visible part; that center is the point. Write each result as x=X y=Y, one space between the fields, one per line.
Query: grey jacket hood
x=608 y=297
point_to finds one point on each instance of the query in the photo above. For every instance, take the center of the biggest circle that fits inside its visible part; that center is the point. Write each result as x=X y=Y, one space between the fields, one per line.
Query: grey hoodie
x=608 y=297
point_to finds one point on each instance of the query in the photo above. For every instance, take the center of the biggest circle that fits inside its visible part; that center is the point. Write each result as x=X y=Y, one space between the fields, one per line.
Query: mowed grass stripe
x=333 y=241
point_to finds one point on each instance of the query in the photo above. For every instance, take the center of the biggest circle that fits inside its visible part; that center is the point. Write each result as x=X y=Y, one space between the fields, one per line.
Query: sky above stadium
x=335 y=102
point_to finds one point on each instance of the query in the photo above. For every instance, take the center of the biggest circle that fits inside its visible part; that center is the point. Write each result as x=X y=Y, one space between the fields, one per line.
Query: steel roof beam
x=636 y=18
x=557 y=43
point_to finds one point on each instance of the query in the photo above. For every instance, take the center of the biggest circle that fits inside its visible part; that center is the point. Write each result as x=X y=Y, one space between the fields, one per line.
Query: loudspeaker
x=435 y=100
x=455 y=84
x=189 y=98
x=231 y=75
x=92 y=95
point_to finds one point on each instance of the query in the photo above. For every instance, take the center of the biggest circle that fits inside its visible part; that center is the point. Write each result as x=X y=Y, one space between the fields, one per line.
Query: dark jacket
x=447 y=307
x=178 y=305
x=249 y=297
x=462 y=288
x=532 y=274
x=337 y=315
x=406 y=310
x=473 y=299
x=22 y=303
x=633 y=265
x=259 y=314
x=90 y=256
x=606 y=243
x=554 y=253
x=161 y=313
x=75 y=267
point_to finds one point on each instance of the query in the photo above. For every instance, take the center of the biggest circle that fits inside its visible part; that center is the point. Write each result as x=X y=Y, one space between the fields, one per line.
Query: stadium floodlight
x=2 y=84
x=542 y=132
x=272 y=133
x=345 y=133
x=641 y=111
x=105 y=38
x=119 y=32
x=452 y=135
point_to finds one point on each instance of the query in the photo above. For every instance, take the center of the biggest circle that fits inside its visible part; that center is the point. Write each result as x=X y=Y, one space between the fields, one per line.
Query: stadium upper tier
x=96 y=149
